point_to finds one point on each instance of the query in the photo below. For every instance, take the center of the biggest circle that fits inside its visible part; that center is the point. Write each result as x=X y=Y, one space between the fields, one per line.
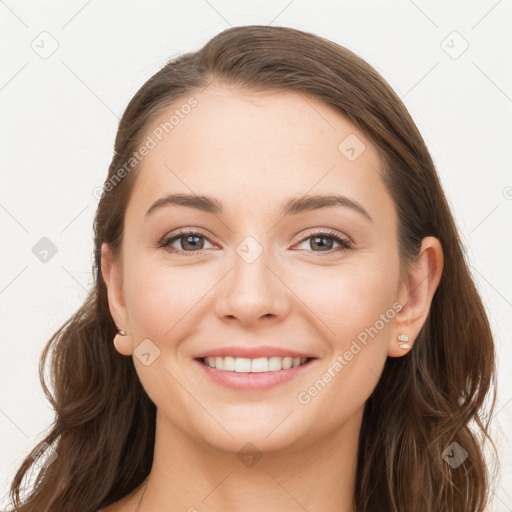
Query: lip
x=252 y=352
x=253 y=381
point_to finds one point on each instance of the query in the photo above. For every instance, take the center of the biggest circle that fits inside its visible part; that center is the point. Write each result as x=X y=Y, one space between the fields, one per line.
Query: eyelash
x=345 y=243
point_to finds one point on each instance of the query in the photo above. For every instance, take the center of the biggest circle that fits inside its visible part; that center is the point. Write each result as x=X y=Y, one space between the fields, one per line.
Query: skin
x=252 y=151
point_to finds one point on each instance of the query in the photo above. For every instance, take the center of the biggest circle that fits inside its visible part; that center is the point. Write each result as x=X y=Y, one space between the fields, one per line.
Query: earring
x=404 y=339
x=121 y=345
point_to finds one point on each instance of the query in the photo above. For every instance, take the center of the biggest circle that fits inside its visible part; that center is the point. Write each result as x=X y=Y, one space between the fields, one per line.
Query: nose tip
x=252 y=293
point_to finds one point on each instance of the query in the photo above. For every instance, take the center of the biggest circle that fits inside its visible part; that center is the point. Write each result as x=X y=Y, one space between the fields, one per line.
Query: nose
x=253 y=291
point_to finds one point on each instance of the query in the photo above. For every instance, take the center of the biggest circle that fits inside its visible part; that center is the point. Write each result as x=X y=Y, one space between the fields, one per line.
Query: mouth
x=256 y=365
x=258 y=374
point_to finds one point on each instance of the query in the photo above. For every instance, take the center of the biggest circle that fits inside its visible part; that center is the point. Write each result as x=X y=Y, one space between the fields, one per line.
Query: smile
x=245 y=374
x=258 y=365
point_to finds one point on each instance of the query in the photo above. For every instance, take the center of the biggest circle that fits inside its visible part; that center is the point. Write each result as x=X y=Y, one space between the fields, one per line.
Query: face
x=321 y=282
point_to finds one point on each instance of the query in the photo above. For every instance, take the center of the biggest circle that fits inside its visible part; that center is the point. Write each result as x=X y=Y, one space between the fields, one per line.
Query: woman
x=283 y=317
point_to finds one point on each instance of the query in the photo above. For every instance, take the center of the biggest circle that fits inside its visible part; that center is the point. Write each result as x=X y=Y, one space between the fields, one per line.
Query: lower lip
x=254 y=381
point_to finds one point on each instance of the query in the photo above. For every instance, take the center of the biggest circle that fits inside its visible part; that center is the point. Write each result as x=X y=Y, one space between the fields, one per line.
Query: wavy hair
x=437 y=395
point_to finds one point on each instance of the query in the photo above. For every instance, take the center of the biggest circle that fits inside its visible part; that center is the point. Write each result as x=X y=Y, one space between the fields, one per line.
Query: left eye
x=319 y=240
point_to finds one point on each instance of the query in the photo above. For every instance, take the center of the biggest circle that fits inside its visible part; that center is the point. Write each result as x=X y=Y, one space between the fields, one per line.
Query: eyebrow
x=292 y=206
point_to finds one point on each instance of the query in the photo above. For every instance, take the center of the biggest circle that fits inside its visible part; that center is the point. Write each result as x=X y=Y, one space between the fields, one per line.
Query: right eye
x=188 y=239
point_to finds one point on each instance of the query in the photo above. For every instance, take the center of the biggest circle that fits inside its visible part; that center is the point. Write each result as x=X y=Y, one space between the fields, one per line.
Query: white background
x=60 y=114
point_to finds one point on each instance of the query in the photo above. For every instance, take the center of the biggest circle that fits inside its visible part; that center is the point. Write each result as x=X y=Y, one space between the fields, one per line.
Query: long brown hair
x=104 y=428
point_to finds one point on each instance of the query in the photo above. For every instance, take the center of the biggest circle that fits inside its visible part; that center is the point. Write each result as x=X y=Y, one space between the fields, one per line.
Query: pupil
x=196 y=238
x=322 y=245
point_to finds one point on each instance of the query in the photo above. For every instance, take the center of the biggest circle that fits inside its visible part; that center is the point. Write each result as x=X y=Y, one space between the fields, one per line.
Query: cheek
x=349 y=299
x=161 y=298
x=356 y=303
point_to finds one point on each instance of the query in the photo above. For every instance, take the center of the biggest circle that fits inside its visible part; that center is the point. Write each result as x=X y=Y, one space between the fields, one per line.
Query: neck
x=194 y=477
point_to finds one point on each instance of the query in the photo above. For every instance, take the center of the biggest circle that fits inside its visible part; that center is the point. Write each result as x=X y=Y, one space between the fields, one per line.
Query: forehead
x=252 y=149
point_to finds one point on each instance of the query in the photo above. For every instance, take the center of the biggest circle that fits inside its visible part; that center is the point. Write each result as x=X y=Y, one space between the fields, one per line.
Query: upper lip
x=252 y=352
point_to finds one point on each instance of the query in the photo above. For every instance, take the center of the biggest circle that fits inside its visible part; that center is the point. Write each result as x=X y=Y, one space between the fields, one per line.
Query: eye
x=323 y=241
x=188 y=239
x=190 y=242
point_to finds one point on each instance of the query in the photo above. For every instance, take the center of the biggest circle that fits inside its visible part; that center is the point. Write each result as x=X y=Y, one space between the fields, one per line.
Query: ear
x=415 y=294
x=112 y=275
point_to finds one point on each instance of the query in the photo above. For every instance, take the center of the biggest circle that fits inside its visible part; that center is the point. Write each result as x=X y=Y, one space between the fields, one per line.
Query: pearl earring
x=404 y=339
x=117 y=341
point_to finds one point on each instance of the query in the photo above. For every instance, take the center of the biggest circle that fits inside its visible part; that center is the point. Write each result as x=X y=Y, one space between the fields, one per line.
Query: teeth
x=259 y=365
